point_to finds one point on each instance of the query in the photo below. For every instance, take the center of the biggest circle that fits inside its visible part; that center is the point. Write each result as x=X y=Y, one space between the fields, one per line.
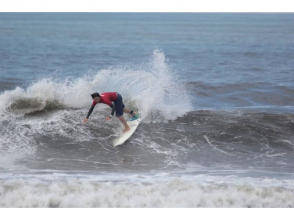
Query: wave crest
x=151 y=87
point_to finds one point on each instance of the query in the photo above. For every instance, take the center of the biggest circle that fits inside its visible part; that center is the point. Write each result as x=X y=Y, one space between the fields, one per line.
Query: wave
x=247 y=94
x=199 y=140
x=145 y=191
x=152 y=87
x=8 y=83
x=43 y=123
x=52 y=108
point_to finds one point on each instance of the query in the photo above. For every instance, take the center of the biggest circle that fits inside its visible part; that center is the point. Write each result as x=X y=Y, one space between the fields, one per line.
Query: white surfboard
x=133 y=123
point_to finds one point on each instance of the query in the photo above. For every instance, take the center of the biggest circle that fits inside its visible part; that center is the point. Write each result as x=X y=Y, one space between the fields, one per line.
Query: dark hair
x=96 y=94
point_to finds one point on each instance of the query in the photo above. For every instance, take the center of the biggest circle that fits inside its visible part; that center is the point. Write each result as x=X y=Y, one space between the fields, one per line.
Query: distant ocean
x=215 y=92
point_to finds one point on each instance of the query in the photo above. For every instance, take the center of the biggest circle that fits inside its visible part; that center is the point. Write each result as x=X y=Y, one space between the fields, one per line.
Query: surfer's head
x=96 y=96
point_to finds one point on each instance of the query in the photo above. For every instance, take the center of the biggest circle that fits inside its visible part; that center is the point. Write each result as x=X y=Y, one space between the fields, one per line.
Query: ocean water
x=215 y=92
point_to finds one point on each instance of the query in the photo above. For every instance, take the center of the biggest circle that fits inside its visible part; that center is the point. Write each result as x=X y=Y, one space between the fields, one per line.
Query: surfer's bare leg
x=128 y=111
x=123 y=121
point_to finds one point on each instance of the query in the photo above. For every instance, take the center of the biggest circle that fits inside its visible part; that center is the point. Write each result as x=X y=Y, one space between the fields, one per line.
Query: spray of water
x=152 y=87
x=52 y=106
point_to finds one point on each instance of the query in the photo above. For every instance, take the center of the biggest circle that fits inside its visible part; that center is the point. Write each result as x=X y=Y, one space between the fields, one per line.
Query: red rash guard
x=106 y=98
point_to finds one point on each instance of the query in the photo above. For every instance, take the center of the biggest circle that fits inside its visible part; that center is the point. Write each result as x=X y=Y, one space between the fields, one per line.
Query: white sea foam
x=144 y=191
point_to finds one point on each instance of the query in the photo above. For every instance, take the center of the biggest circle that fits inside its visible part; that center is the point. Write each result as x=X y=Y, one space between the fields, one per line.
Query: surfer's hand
x=108 y=118
x=85 y=120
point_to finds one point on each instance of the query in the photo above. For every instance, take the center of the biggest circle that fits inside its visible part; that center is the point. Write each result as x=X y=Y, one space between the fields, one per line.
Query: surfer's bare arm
x=89 y=113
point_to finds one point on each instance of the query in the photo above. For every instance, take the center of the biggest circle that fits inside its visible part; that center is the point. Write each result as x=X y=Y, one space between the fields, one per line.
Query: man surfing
x=118 y=106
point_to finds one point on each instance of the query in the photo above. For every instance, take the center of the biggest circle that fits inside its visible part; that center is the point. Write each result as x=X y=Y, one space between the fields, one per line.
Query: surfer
x=118 y=106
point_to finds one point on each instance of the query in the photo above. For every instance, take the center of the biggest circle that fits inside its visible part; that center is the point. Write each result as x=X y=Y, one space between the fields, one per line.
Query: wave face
x=52 y=109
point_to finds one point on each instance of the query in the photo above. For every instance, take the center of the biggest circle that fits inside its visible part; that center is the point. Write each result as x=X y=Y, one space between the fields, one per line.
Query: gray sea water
x=215 y=92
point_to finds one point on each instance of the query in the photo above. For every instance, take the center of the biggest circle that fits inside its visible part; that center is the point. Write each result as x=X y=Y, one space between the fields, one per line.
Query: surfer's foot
x=134 y=113
x=126 y=129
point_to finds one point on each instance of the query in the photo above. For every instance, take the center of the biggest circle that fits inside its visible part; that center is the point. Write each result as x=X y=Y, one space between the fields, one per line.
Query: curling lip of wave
x=137 y=86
